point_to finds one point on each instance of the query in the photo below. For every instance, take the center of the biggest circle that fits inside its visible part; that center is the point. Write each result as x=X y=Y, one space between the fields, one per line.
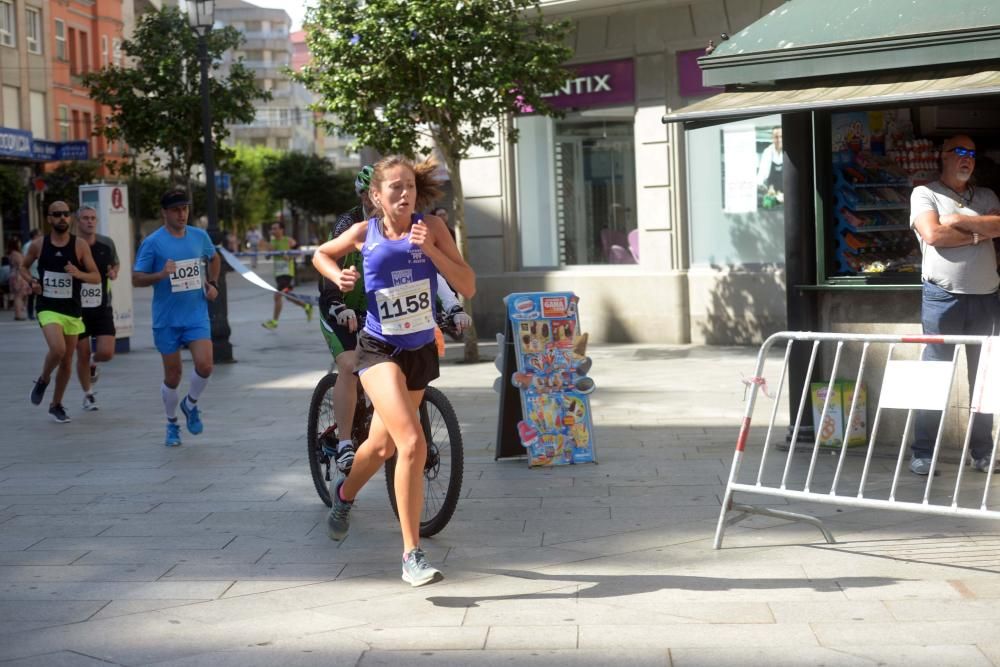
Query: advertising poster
x=552 y=378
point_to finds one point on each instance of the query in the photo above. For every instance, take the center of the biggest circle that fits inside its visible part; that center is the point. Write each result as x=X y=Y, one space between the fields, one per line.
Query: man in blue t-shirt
x=181 y=264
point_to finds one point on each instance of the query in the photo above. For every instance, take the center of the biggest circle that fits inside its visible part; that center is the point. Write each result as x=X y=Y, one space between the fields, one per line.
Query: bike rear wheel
x=444 y=466
x=321 y=427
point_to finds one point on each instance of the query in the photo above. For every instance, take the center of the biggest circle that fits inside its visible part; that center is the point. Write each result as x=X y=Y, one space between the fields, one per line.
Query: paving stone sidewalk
x=117 y=550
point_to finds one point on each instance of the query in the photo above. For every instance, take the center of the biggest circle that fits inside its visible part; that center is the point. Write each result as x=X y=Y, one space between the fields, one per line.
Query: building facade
x=600 y=201
x=285 y=122
x=83 y=36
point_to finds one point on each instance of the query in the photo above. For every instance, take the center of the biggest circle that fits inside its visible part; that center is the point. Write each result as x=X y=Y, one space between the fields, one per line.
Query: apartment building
x=85 y=35
x=334 y=146
x=285 y=122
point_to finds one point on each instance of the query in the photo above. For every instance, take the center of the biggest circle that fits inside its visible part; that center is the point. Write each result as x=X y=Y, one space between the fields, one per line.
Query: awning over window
x=885 y=89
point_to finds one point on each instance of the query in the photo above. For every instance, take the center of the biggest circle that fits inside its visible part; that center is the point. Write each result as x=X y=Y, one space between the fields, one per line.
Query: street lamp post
x=202 y=19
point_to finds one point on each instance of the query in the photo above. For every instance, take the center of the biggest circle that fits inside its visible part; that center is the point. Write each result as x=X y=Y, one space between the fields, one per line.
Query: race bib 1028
x=90 y=295
x=57 y=285
x=187 y=275
x=405 y=308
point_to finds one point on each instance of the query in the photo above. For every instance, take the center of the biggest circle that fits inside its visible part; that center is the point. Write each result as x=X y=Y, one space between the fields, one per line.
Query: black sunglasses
x=59 y=214
x=963 y=152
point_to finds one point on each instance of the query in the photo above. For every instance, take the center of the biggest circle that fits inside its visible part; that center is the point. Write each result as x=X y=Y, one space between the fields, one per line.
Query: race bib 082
x=187 y=275
x=90 y=295
x=57 y=285
x=405 y=308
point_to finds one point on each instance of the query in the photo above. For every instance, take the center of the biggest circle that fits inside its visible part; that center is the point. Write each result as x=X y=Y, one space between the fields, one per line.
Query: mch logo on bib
x=402 y=277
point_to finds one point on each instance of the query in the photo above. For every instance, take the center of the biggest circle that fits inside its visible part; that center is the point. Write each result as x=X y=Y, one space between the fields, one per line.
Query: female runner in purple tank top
x=397 y=356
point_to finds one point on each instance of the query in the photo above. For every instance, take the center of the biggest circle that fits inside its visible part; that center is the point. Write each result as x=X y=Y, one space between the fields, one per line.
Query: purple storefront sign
x=602 y=84
x=689 y=75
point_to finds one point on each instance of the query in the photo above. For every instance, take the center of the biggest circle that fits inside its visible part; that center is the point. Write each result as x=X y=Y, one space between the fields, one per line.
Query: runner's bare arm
x=29 y=258
x=444 y=253
x=326 y=256
x=140 y=279
x=92 y=275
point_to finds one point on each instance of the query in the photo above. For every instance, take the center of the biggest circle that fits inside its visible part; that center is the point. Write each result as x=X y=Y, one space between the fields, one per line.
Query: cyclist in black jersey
x=341 y=317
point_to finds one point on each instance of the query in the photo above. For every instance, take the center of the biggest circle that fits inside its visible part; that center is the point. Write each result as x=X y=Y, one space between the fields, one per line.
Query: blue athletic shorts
x=169 y=339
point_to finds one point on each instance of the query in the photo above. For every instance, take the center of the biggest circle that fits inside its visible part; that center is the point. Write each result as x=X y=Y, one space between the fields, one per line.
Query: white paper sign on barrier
x=916 y=385
x=986 y=393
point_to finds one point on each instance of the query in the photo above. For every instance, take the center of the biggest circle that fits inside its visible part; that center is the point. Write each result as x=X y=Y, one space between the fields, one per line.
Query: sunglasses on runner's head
x=963 y=152
x=56 y=214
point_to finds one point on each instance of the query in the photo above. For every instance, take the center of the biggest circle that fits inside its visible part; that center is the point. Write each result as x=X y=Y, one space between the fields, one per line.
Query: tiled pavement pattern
x=117 y=550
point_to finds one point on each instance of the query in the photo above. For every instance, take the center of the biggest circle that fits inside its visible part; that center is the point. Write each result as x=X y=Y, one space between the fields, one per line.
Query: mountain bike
x=442 y=471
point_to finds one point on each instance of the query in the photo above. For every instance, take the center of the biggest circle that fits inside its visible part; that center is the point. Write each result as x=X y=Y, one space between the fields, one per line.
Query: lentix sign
x=604 y=84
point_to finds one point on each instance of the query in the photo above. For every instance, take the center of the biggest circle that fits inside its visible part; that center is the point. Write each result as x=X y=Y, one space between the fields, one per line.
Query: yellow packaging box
x=832 y=430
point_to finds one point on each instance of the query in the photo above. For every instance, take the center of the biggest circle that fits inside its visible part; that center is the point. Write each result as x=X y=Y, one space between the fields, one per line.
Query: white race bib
x=406 y=308
x=90 y=295
x=282 y=267
x=57 y=285
x=187 y=275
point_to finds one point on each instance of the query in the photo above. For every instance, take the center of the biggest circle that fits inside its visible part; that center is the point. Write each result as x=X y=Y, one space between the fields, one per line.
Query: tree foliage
x=251 y=203
x=391 y=71
x=309 y=185
x=156 y=99
x=63 y=183
x=395 y=74
x=13 y=191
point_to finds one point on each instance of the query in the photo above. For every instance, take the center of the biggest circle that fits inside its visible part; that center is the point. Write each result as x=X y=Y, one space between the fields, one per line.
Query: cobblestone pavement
x=115 y=549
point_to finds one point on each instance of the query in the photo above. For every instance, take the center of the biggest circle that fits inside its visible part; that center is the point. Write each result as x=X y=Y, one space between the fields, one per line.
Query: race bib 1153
x=57 y=285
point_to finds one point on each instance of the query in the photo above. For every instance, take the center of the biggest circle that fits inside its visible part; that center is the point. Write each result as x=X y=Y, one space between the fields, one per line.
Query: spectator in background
x=19 y=287
x=32 y=235
x=253 y=244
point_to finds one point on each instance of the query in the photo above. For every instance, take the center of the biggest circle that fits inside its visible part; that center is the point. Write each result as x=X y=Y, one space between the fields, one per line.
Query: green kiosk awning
x=886 y=88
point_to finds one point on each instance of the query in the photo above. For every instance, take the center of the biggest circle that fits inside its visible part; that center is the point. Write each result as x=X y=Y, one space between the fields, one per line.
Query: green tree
x=13 y=192
x=395 y=74
x=251 y=202
x=63 y=183
x=310 y=186
x=156 y=100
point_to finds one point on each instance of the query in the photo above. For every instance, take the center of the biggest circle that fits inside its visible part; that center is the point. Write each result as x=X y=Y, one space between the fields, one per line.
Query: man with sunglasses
x=955 y=222
x=64 y=263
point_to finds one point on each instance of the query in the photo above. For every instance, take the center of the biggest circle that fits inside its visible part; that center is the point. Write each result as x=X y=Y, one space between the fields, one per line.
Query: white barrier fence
x=906 y=384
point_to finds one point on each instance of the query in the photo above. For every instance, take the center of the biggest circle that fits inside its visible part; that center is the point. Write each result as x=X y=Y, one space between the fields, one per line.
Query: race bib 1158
x=405 y=308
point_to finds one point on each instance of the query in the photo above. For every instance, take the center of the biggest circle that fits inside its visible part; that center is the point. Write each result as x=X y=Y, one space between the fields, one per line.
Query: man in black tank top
x=98 y=316
x=64 y=263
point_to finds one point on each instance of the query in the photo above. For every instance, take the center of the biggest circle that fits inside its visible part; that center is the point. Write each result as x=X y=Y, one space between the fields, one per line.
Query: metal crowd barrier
x=906 y=384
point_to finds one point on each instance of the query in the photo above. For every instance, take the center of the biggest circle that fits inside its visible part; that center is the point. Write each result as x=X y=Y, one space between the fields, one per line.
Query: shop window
x=11 y=107
x=33 y=29
x=576 y=185
x=63 y=116
x=8 y=27
x=60 y=40
x=74 y=62
x=36 y=103
x=735 y=198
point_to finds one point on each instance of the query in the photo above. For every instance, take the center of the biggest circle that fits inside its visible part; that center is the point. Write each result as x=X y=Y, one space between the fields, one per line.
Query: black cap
x=172 y=198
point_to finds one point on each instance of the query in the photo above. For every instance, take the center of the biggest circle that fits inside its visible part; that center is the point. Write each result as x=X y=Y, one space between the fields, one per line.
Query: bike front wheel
x=444 y=466
x=321 y=428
